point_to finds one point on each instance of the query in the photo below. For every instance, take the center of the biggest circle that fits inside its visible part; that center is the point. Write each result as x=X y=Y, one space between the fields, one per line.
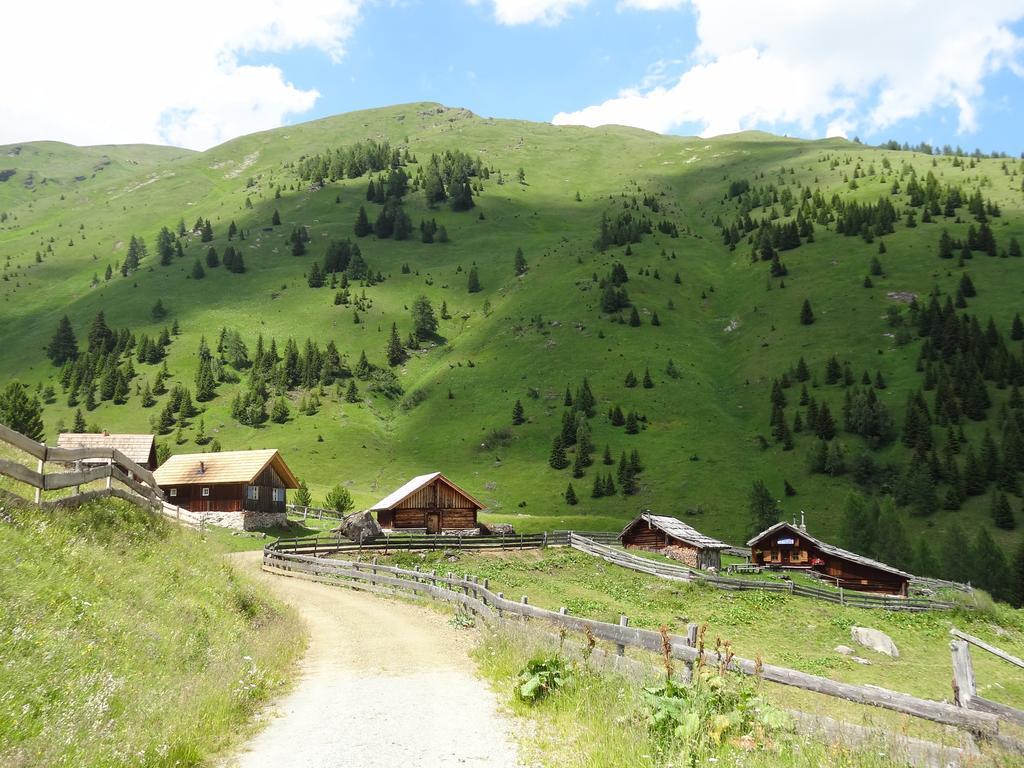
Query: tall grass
x=601 y=719
x=125 y=640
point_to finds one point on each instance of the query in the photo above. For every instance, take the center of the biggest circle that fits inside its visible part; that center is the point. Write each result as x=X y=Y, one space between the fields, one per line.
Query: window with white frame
x=174 y=492
x=278 y=494
x=254 y=493
x=206 y=491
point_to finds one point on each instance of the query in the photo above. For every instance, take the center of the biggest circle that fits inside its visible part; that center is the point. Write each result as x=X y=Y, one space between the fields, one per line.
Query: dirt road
x=383 y=683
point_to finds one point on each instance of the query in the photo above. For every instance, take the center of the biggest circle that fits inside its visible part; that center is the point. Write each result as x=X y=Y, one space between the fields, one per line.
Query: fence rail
x=139 y=482
x=674 y=572
x=477 y=596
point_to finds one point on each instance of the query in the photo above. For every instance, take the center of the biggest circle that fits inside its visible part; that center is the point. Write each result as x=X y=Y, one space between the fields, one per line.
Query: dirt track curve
x=383 y=683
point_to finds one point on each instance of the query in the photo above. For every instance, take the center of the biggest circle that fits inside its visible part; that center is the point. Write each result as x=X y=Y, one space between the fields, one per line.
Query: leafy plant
x=541 y=677
x=462 y=620
x=717 y=704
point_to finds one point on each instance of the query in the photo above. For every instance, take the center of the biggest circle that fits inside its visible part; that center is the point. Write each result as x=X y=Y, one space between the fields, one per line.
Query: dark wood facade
x=787 y=546
x=696 y=550
x=437 y=505
x=266 y=493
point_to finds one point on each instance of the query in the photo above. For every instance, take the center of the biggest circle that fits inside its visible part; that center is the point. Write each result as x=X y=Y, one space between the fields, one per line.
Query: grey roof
x=138 y=448
x=407 y=490
x=677 y=529
x=830 y=549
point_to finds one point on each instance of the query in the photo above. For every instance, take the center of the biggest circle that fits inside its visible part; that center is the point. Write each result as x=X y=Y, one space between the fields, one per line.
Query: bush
x=541 y=677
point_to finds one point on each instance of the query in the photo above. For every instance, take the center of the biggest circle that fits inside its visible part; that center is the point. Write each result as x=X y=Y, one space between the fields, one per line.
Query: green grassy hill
x=729 y=327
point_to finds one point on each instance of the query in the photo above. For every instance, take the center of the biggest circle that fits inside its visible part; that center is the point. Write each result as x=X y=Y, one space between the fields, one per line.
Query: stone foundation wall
x=257 y=521
x=246 y=521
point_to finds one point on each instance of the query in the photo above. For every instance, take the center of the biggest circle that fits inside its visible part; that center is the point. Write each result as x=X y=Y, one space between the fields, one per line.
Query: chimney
x=803 y=523
x=202 y=467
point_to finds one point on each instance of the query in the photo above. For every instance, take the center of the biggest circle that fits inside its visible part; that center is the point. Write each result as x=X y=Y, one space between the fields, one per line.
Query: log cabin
x=789 y=546
x=139 y=448
x=429 y=502
x=673 y=538
x=240 y=489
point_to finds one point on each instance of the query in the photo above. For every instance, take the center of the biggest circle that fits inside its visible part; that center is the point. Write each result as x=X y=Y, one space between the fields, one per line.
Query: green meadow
x=728 y=327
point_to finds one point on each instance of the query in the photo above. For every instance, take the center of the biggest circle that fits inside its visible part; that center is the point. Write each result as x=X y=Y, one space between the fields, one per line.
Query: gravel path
x=384 y=683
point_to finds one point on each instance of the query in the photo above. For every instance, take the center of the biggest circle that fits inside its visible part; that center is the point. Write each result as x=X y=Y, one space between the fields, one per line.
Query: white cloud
x=116 y=71
x=651 y=5
x=515 y=12
x=862 y=66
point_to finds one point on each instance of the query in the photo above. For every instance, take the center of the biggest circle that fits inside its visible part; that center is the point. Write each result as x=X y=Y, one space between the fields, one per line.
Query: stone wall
x=246 y=521
x=257 y=521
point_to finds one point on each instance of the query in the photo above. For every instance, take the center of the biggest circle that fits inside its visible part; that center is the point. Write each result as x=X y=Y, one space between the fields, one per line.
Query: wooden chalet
x=139 y=448
x=673 y=538
x=787 y=545
x=250 y=485
x=431 y=502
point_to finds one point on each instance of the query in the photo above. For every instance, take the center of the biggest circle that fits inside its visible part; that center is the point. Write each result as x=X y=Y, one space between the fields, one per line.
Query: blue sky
x=938 y=71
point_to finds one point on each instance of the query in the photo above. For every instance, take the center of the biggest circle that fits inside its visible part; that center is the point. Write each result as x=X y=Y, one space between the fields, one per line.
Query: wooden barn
x=673 y=538
x=246 y=489
x=787 y=545
x=431 y=502
x=139 y=448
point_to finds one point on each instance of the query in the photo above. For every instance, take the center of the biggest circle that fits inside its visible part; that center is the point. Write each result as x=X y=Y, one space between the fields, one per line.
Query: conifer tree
x=634 y=318
x=630 y=380
x=473 y=284
x=518 y=416
x=988 y=568
x=395 y=352
x=279 y=413
x=63 y=346
x=423 y=321
x=762 y=508
x=520 y=262
x=570 y=496
x=1002 y=514
x=558 y=459
x=632 y=424
x=1016 y=589
x=352 y=393
x=275 y=220
x=21 y=412
x=578 y=465
x=198 y=273
x=648 y=382
x=607 y=458
x=806 y=313
x=598 y=490
x=609 y=485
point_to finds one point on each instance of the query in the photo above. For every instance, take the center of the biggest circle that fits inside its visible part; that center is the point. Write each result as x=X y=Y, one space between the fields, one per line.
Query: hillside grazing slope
x=716 y=324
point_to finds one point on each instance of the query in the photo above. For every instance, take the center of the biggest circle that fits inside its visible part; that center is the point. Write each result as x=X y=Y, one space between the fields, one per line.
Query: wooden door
x=434 y=521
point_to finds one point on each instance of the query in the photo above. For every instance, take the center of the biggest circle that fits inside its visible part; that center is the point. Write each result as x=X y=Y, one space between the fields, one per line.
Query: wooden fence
x=673 y=572
x=965 y=690
x=139 y=485
x=476 y=596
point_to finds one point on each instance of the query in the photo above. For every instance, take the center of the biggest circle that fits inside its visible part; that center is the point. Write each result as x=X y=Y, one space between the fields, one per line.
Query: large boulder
x=359 y=526
x=876 y=640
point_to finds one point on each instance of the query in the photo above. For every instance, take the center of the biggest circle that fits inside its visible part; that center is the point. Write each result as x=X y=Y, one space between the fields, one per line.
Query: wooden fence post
x=42 y=477
x=620 y=649
x=964 y=687
x=501 y=596
x=691 y=642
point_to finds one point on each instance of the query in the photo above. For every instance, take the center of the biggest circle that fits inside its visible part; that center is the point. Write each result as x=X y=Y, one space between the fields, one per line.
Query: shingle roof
x=222 y=467
x=138 y=448
x=677 y=529
x=420 y=481
x=830 y=549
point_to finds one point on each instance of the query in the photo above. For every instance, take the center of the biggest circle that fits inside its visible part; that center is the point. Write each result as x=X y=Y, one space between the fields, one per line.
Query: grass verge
x=127 y=641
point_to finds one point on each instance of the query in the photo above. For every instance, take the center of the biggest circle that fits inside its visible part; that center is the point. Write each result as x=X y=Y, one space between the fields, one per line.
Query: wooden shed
x=431 y=502
x=673 y=538
x=249 y=486
x=787 y=545
x=139 y=448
